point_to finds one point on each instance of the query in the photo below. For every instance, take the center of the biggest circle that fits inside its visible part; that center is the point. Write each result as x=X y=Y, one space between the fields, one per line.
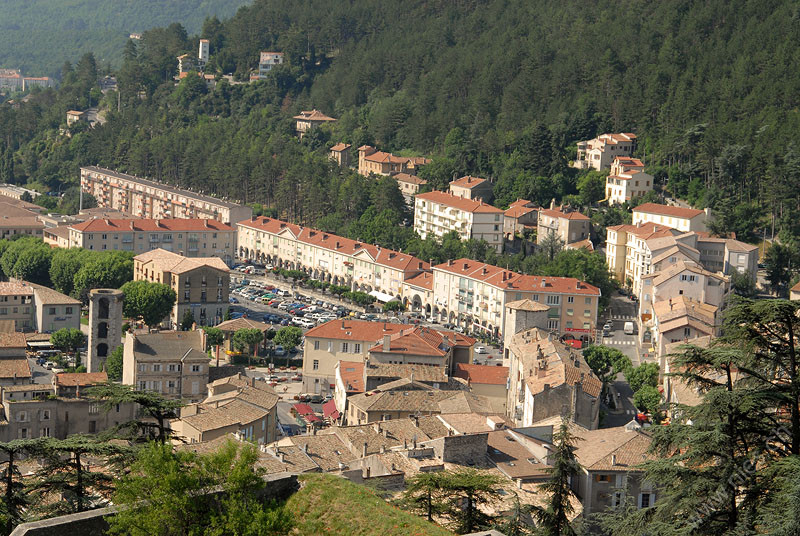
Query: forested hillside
x=38 y=36
x=496 y=88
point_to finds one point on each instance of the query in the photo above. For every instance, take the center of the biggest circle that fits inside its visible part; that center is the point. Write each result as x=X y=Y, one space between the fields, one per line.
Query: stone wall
x=461 y=449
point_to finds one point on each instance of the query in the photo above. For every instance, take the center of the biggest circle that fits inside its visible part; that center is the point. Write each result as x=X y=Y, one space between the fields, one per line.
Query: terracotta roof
x=468 y=182
x=381 y=157
x=21 y=222
x=681 y=266
x=406 y=177
x=270 y=225
x=472 y=423
x=527 y=305
x=81 y=378
x=561 y=214
x=326 y=450
x=627 y=161
x=465 y=205
x=645 y=230
x=482 y=374
x=166 y=261
x=169 y=344
x=13 y=340
x=420 y=373
x=513 y=458
x=313 y=115
x=518 y=211
x=422 y=280
x=15 y=288
x=667 y=210
x=48 y=296
x=535 y=345
x=355 y=330
x=341 y=147
x=581 y=244
x=682 y=306
x=411 y=401
x=735 y=245
x=150 y=225
x=235 y=412
x=17 y=368
x=352 y=373
x=508 y=280
x=464 y=402
x=613 y=139
x=236 y=324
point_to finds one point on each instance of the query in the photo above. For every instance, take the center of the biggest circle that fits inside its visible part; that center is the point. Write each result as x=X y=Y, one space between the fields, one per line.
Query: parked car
x=297 y=378
x=49 y=365
x=308 y=324
x=279 y=351
x=481 y=350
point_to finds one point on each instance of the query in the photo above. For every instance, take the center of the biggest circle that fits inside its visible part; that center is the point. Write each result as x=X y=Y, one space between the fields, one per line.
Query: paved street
x=621 y=310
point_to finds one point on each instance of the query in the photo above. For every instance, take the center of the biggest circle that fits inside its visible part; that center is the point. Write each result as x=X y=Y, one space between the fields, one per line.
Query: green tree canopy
x=152 y=302
x=288 y=337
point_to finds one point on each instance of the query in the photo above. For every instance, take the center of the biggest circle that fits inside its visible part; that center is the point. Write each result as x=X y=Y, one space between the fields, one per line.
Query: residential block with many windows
x=150 y=199
x=600 y=152
x=438 y=213
x=190 y=237
x=565 y=222
x=627 y=180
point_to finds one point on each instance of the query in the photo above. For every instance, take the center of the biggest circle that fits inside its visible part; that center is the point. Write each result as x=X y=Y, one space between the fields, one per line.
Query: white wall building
x=438 y=213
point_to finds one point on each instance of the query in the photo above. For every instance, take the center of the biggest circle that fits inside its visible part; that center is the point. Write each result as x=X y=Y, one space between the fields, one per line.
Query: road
x=619 y=311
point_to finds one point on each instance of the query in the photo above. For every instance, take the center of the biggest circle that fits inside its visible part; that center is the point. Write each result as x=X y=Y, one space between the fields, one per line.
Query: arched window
x=102 y=350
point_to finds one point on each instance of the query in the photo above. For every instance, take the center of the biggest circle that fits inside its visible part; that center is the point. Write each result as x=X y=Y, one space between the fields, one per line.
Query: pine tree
x=553 y=519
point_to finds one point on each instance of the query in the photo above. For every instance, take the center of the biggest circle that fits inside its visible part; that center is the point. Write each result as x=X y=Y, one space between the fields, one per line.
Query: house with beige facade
x=246 y=407
x=340 y=153
x=520 y=216
x=308 y=120
x=683 y=278
x=565 y=222
x=681 y=318
x=409 y=185
x=438 y=213
x=598 y=153
x=201 y=284
x=32 y=307
x=150 y=199
x=627 y=180
x=373 y=161
x=625 y=248
x=680 y=218
x=473 y=188
x=172 y=363
x=327 y=257
x=190 y=237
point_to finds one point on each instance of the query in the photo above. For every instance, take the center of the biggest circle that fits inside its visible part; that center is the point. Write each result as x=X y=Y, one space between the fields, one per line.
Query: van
x=628 y=328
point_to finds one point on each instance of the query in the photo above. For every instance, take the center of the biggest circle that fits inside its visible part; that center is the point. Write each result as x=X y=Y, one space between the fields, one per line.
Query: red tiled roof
x=355 y=330
x=482 y=374
x=313 y=115
x=666 y=210
x=341 y=147
x=518 y=211
x=352 y=373
x=17 y=368
x=147 y=225
x=270 y=225
x=421 y=280
x=450 y=200
x=411 y=179
x=508 y=280
x=81 y=378
x=646 y=230
x=468 y=181
x=558 y=213
x=13 y=339
x=627 y=161
x=381 y=156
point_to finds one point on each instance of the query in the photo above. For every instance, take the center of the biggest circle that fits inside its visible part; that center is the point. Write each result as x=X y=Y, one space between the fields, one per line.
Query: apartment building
x=201 y=284
x=625 y=245
x=682 y=219
x=340 y=153
x=30 y=307
x=409 y=185
x=173 y=363
x=473 y=188
x=151 y=199
x=371 y=160
x=627 y=180
x=237 y=405
x=683 y=278
x=377 y=342
x=598 y=153
x=438 y=213
x=58 y=410
x=565 y=222
x=474 y=294
x=11 y=79
x=327 y=257
x=310 y=119
x=549 y=379
x=727 y=254
x=11 y=226
x=679 y=319
x=14 y=366
x=418 y=293
x=190 y=237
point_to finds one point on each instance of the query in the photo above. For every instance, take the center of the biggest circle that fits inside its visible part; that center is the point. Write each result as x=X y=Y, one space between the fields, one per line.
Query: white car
x=305 y=323
x=481 y=350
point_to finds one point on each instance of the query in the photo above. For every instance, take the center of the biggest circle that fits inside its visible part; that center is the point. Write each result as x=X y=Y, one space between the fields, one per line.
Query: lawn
x=328 y=504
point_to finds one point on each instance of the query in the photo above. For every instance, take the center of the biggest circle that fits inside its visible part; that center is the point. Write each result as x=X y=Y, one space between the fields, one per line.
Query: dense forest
x=37 y=36
x=499 y=89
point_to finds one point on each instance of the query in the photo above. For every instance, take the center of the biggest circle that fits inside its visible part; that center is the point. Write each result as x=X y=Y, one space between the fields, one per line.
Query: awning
x=312 y=418
x=329 y=410
x=40 y=344
x=303 y=409
x=382 y=296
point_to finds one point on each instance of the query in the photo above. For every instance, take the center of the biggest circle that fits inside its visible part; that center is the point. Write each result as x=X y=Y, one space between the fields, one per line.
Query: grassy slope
x=37 y=36
x=328 y=504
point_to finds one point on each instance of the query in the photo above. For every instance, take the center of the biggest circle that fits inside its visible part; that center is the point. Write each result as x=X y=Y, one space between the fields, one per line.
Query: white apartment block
x=150 y=199
x=438 y=213
x=600 y=152
x=326 y=256
x=191 y=237
x=475 y=294
x=627 y=180
x=266 y=61
x=682 y=219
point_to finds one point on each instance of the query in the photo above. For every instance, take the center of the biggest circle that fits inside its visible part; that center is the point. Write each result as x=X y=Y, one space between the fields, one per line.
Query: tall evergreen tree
x=554 y=518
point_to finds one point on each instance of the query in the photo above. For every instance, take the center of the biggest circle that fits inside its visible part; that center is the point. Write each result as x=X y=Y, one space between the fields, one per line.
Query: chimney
x=613 y=460
x=364 y=450
x=387 y=343
x=449 y=262
x=420 y=265
x=484 y=270
x=383 y=449
x=385 y=432
x=670 y=304
x=281 y=456
x=305 y=448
